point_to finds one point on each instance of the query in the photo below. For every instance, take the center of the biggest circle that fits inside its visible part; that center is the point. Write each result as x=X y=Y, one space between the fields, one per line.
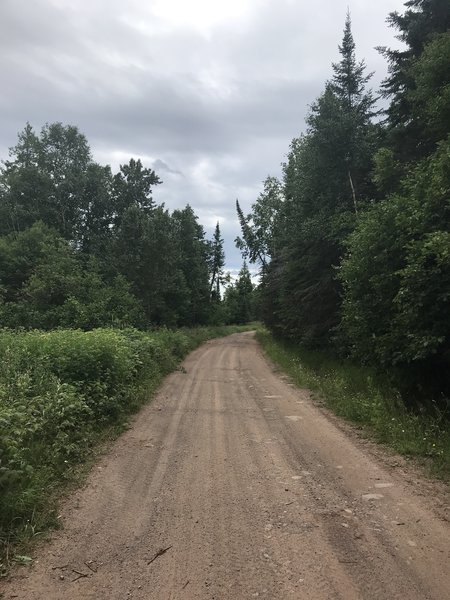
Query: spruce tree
x=350 y=78
x=217 y=263
x=349 y=84
x=327 y=181
x=417 y=26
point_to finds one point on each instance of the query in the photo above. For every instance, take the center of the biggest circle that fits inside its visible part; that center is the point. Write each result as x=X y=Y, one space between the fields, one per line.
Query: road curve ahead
x=232 y=484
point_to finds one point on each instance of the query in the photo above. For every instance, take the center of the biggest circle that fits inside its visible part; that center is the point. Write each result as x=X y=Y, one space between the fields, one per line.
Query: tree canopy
x=359 y=256
x=81 y=246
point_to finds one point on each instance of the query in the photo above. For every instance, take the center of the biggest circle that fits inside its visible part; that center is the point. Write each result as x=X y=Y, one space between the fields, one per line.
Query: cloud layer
x=208 y=93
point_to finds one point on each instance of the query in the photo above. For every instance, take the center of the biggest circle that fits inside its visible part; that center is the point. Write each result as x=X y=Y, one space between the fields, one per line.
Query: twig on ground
x=349 y=562
x=80 y=575
x=88 y=564
x=160 y=552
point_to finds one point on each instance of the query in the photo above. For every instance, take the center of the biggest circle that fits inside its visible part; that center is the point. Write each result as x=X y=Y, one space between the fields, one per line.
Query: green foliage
x=362 y=244
x=216 y=264
x=396 y=276
x=326 y=183
x=259 y=228
x=144 y=252
x=349 y=77
x=44 y=180
x=59 y=391
x=430 y=98
x=82 y=247
x=132 y=186
x=418 y=26
x=363 y=396
x=239 y=299
x=46 y=284
x=387 y=171
x=194 y=261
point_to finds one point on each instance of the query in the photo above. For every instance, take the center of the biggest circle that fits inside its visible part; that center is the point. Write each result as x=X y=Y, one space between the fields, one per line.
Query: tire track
x=256 y=491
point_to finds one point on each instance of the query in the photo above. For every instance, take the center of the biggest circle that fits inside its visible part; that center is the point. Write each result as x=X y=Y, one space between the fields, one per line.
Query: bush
x=396 y=278
x=367 y=398
x=59 y=391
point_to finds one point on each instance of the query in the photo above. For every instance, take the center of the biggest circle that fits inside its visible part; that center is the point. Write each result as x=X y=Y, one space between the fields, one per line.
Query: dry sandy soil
x=233 y=484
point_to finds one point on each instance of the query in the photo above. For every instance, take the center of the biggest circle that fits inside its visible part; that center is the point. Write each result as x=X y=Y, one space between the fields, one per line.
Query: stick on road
x=232 y=484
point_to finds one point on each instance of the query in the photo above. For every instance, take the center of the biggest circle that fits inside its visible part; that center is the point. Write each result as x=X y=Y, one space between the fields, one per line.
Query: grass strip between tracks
x=360 y=395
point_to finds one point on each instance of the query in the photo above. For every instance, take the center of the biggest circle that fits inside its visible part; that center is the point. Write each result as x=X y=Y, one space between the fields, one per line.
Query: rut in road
x=232 y=484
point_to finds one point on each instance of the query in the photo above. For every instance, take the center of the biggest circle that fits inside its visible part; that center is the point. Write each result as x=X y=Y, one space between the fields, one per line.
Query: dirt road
x=253 y=492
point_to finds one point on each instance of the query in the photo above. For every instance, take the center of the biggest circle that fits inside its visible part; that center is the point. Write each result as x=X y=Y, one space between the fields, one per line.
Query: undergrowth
x=61 y=394
x=364 y=397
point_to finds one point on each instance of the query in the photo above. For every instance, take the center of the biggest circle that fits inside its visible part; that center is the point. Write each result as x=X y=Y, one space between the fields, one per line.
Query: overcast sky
x=207 y=92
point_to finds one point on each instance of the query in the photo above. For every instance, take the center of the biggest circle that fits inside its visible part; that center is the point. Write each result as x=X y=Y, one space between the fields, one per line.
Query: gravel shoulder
x=233 y=484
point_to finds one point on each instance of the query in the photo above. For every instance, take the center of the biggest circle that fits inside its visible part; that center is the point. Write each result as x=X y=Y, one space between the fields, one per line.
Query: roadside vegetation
x=353 y=241
x=367 y=398
x=61 y=393
x=102 y=292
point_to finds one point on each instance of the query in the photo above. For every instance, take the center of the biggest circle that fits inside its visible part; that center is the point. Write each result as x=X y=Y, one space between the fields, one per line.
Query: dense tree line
x=354 y=241
x=83 y=247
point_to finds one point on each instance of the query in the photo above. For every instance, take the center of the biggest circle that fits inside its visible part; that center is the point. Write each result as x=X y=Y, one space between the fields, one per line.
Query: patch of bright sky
x=202 y=15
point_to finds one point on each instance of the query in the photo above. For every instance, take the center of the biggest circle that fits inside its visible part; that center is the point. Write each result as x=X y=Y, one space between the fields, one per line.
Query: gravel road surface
x=233 y=484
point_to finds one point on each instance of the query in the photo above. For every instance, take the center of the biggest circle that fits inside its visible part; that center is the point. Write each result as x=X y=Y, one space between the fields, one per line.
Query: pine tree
x=327 y=181
x=349 y=79
x=239 y=298
x=357 y=105
x=217 y=262
x=418 y=26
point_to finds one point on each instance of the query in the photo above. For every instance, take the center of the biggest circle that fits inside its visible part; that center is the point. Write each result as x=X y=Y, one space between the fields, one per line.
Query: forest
x=81 y=247
x=353 y=242
x=103 y=291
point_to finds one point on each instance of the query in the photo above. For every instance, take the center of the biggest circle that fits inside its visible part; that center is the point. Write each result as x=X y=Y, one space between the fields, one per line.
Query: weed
x=60 y=391
x=365 y=397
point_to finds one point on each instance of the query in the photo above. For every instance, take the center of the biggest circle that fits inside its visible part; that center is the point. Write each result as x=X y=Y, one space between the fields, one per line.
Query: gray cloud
x=217 y=104
x=160 y=166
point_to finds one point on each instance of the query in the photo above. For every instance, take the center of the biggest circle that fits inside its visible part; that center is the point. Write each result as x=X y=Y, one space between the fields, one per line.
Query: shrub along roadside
x=60 y=391
x=364 y=397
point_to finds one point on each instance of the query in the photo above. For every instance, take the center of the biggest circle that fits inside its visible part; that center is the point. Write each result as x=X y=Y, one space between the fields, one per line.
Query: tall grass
x=368 y=399
x=60 y=391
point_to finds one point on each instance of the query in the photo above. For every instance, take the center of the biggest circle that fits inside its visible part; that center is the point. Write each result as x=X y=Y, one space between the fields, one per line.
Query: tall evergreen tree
x=217 y=263
x=327 y=181
x=357 y=107
x=350 y=78
x=193 y=252
x=417 y=26
x=239 y=298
